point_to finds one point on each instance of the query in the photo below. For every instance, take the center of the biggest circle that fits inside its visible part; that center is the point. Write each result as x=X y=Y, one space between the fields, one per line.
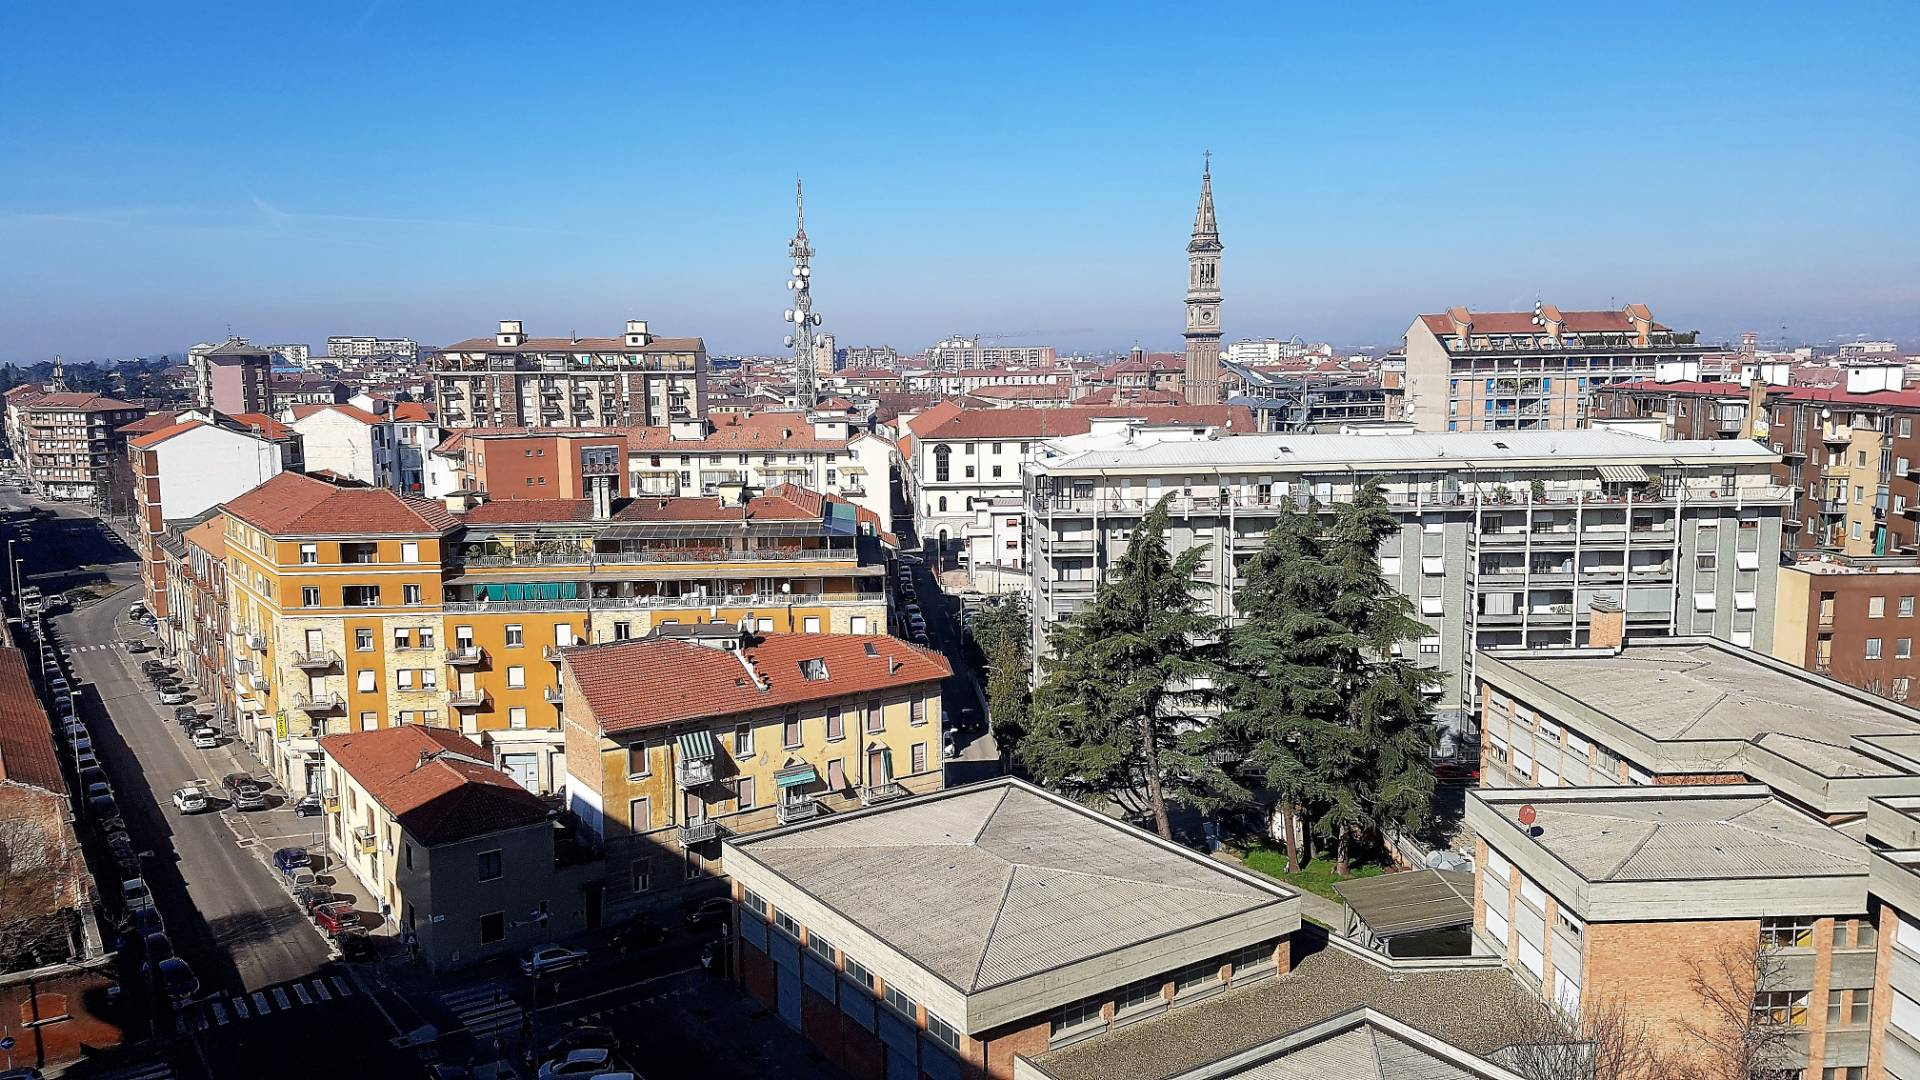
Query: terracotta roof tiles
x=27 y=754
x=1054 y=423
x=438 y=799
x=290 y=504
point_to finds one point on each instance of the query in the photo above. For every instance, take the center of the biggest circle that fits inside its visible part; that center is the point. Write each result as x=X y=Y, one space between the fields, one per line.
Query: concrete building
x=1893 y=879
x=1285 y=401
x=415 y=434
x=1505 y=539
x=996 y=550
x=819 y=449
x=521 y=463
x=1053 y=920
x=961 y=353
x=367 y=348
x=233 y=377
x=187 y=468
x=1518 y=370
x=1851 y=618
x=858 y=357
x=298 y=355
x=347 y=441
x=461 y=855
x=307 y=388
x=513 y=380
x=71 y=445
x=668 y=750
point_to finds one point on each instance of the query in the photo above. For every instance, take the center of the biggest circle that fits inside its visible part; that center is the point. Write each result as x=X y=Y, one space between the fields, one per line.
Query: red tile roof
x=528 y=512
x=1521 y=322
x=301 y=412
x=268 y=426
x=739 y=431
x=155 y=438
x=648 y=682
x=1878 y=399
x=150 y=422
x=1053 y=423
x=413 y=412
x=83 y=403
x=27 y=753
x=209 y=536
x=438 y=799
x=578 y=345
x=290 y=504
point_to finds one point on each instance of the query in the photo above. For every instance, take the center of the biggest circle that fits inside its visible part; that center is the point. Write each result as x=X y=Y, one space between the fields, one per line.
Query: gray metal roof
x=988 y=886
x=1416 y=900
x=1360 y=1053
x=1678 y=836
x=1696 y=690
x=1452 y=450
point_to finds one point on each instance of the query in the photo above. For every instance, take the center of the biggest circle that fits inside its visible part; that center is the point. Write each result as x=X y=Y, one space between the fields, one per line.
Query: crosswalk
x=222 y=1009
x=69 y=650
x=485 y=1010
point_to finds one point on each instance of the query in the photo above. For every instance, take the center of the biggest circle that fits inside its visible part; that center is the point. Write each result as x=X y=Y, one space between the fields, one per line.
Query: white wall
x=209 y=465
x=337 y=442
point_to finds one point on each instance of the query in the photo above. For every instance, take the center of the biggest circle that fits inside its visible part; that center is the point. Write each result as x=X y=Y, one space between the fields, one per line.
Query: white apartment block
x=359 y=347
x=820 y=451
x=513 y=380
x=345 y=440
x=961 y=353
x=1505 y=539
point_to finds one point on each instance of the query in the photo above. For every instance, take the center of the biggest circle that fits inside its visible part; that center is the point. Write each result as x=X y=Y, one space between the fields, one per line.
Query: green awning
x=796 y=776
x=697 y=745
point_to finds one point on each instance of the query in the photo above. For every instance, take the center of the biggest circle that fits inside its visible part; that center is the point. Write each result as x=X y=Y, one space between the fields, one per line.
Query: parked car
x=172 y=697
x=582 y=1037
x=355 y=945
x=548 y=959
x=158 y=948
x=74 y=729
x=708 y=913
x=106 y=812
x=84 y=760
x=186 y=714
x=289 y=859
x=308 y=805
x=312 y=898
x=153 y=665
x=99 y=789
x=146 y=921
x=191 y=799
x=135 y=894
x=135 y=645
x=177 y=979
x=588 y=1061
x=205 y=738
x=337 y=917
x=641 y=933
x=244 y=792
x=135 y=612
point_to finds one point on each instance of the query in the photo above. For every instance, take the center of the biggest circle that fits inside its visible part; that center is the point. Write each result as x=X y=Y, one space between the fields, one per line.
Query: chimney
x=1606 y=624
x=637 y=336
x=600 y=489
x=511 y=335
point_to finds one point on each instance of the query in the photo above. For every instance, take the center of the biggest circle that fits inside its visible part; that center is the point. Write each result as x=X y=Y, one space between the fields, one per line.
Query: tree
x=1608 y=1040
x=1752 y=1022
x=1114 y=713
x=1331 y=720
x=1003 y=633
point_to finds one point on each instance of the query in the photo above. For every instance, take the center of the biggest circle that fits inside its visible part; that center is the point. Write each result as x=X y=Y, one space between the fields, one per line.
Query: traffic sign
x=6 y=1043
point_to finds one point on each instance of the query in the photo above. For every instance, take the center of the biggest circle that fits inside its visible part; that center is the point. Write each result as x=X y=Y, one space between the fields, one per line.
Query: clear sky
x=297 y=170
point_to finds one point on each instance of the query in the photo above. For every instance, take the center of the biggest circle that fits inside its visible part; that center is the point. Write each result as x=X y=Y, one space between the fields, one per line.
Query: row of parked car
x=912 y=619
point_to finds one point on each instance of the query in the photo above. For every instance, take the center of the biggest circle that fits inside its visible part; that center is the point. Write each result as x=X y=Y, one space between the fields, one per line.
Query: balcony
x=468 y=698
x=552 y=694
x=551 y=652
x=363 y=840
x=874 y=794
x=791 y=810
x=255 y=639
x=698 y=833
x=316 y=661
x=693 y=772
x=1833 y=506
x=1073 y=546
x=466 y=656
x=324 y=703
x=1837 y=436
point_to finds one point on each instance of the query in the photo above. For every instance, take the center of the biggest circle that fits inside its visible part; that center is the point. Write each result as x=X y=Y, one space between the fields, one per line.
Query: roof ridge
x=1000 y=909
x=1634 y=852
x=1127 y=880
x=1701 y=715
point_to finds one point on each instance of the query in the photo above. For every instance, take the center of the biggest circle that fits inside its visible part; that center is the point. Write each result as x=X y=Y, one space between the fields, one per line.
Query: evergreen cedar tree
x=1319 y=718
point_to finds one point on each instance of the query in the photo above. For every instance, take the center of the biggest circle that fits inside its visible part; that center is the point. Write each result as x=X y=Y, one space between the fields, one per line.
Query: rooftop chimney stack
x=511 y=334
x=637 y=336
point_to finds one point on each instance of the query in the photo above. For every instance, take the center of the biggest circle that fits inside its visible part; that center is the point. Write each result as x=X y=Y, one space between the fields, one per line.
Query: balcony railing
x=873 y=794
x=693 y=772
x=256 y=640
x=715 y=553
x=788 y=811
x=466 y=656
x=551 y=652
x=363 y=840
x=685 y=602
x=1693 y=492
x=698 y=833
x=314 y=661
x=553 y=695
x=473 y=698
x=321 y=704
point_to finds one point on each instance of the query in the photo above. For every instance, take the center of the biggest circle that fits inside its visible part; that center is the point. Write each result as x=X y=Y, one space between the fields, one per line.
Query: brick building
x=1853 y=619
x=71 y=444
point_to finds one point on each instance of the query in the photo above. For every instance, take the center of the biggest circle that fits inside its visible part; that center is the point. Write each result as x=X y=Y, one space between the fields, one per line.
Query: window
x=490 y=865
x=493 y=927
x=1792 y=932
x=366 y=684
x=1903 y=648
x=1706 y=560
x=1876 y=607
x=786 y=924
x=837 y=774
x=744 y=793
x=410 y=595
x=363 y=640
x=641 y=876
x=1073 y=1017
x=942 y=463
x=899 y=1002
x=1860 y=1009
x=919 y=757
x=1780 y=1007
x=638 y=761
x=858 y=624
x=1197 y=976
x=309 y=554
x=939 y=1029
x=640 y=814
x=403 y=679
x=517 y=717
x=743 y=740
x=757 y=904
x=834 y=730
x=369 y=721
x=1873 y=648
x=1844 y=1072
x=810 y=624
x=426 y=637
x=857 y=974
x=402 y=638
x=409 y=551
x=360 y=595
x=516 y=636
x=516 y=677
x=1906 y=607
x=916 y=711
x=309 y=596
x=622 y=631
x=790 y=731
x=821 y=948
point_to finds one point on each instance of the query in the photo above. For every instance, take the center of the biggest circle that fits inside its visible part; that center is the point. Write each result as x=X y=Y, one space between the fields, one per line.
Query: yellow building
x=680 y=738
x=358 y=608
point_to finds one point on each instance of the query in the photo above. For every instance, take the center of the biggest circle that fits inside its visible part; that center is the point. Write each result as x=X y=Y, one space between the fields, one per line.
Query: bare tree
x=1753 y=1023
x=1606 y=1041
x=38 y=877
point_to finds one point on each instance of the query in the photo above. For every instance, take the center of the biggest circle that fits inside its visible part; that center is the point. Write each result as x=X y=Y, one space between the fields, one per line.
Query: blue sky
x=301 y=170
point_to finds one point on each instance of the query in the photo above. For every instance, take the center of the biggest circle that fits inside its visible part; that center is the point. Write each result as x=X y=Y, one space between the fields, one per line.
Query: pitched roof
x=1054 y=423
x=209 y=536
x=151 y=422
x=436 y=798
x=649 y=682
x=82 y=403
x=290 y=504
x=27 y=755
x=528 y=512
x=267 y=425
x=739 y=431
x=1521 y=322
x=413 y=412
x=155 y=438
x=355 y=412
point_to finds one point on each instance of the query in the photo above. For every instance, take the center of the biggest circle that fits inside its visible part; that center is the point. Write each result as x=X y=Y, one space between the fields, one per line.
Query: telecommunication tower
x=801 y=314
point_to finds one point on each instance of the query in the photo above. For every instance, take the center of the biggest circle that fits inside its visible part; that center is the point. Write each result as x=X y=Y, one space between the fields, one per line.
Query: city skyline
x=1364 y=173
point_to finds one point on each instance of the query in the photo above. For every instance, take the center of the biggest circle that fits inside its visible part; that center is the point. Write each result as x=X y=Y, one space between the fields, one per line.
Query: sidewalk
x=1313 y=907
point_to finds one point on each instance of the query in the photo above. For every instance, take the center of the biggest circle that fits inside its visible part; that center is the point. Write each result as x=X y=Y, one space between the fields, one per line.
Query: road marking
x=260 y=1003
x=220 y=1012
x=300 y=991
x=320 y=987
x=341 y=985
x=240 y=1008
x=280 y=998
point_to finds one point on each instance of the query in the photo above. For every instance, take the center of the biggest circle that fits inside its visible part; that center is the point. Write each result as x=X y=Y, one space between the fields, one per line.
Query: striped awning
x=795 y=776
x=1625 y=474
x=697 y=745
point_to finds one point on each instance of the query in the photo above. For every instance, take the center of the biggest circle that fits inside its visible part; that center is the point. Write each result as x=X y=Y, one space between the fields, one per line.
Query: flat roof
x=1451 y=450
x=1412 y=901
x=1690 y=689
x=1679 y=834
x=1469 y=1006
x=993 y=883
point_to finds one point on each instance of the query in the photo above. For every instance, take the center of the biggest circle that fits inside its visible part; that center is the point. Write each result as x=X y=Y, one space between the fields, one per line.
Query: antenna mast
x=801 y=314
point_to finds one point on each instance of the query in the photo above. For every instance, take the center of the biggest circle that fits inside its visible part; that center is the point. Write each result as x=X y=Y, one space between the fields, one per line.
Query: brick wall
x=1651 y=967
x=1004 y=1043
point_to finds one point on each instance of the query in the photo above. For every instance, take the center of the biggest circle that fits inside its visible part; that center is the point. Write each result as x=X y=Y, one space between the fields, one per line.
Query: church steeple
x=1202 y=378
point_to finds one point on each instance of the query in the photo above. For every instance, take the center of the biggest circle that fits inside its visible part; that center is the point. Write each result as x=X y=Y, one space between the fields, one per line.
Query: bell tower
x=1202 y=379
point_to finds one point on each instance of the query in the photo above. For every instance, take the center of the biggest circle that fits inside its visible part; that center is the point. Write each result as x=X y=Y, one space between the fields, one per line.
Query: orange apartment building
x=356 y=608
x=527 y=463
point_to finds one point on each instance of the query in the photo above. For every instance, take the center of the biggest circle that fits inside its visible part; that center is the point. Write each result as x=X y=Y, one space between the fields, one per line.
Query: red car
x=337 y=918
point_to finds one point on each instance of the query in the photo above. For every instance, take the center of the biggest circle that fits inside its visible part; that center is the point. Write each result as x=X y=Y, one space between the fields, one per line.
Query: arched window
x=940 y=455
x=943 y=504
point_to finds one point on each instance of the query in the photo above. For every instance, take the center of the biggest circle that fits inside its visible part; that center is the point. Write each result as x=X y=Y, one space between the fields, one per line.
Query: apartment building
x=1893 y=879
x=1848 y=452
x=307 y=388
x=1726 y=885
x=358 y=608
x=461 y=855
x=195 y=626
x=347 y=441
x=723 y=454
x=1505 y=539
x=951 y=383
x=1518 y=370
x=1851 y=618
x=525 y=463
x=953 y=459
x=699 y=732
x=965 y=353
x=857 y=357
x=233 y=377
x=71 y=447
x=1055 y=923
x=186 y=468
x=513 y=380
x=361 y=347
x=415 y=434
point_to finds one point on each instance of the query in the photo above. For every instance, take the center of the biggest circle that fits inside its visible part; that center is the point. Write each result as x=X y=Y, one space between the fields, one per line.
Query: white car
x=190 y=799
x=591 y=1061
x=205 y=738
x=134 y=891
x=172 y=697
x=548 y=959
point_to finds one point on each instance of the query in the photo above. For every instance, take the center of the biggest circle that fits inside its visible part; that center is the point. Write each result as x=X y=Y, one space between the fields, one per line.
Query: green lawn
x=1318 y=876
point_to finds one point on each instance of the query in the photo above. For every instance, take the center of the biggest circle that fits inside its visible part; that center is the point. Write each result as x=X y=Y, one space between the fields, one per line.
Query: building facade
x=72 y=448
x=233 y=377
x=1851 y=619
x=347 y=441
x=960 y=353
x=513 y=380
x=366 y=348
x=1520 y=371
